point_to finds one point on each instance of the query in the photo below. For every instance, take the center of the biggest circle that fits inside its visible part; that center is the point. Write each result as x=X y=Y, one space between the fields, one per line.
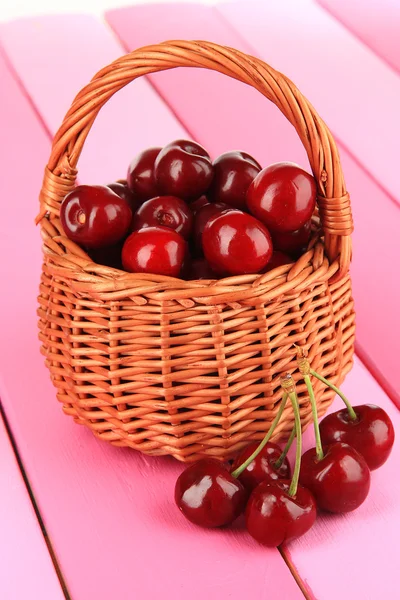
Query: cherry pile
x=180 y=214
x=334 y=476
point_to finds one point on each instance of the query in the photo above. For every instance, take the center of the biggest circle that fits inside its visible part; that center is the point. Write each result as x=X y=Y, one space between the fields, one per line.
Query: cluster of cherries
x=334 y=476
x=180 y=214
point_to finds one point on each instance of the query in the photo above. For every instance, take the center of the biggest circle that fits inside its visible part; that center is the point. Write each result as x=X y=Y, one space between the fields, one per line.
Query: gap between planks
x=35 y=505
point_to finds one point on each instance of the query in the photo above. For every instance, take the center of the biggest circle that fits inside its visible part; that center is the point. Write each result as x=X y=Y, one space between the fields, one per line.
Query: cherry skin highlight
x=208 y=495
x=283 y=197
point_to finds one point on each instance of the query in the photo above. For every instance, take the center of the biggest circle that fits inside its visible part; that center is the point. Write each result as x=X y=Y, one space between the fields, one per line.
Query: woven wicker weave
x=191 y=368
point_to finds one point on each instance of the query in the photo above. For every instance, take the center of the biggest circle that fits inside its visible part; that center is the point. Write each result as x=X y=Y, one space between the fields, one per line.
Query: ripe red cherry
x=371 y=434
x=200 y=269
x=282 y=196
x=140 y=175
x=94 y=216
x=156 y=250
x=208 y=495
x=183 y=169
x=236 y=243
x=196 y=205
x=274 y=517
x=292 y=242
x=263 y=467
x=167 y=211
x=202 y=217
x=233 y=174
x=277 y=260
x=122 y=190
x=340 y=481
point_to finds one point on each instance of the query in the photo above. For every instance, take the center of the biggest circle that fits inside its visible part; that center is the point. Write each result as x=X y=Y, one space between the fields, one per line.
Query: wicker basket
x=192 y=368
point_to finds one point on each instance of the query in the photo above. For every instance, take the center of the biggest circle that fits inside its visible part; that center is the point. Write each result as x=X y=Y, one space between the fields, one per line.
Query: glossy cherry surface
x=156 y=250
x=371 y=434
x=208 y=495
x=292 y=242
x=282 y=196
x=277 y=260
x=200 y=269
x=202 y=217
x=183 y=168
x=140 y=176
x=94 y=216
x=167 y=211
x=263 y=467
x=233 y=174
x=274 y=517
x=236 y=243
x=122 y=190
x=340 y=481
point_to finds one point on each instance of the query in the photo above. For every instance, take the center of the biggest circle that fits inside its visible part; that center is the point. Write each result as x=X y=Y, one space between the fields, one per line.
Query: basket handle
x=333 y=200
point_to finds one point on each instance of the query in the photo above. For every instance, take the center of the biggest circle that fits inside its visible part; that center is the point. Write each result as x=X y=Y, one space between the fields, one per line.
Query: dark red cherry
x=282 y=196
x=202 y=217
x=277 y=260
x=200 y=269
x=167 y=211
x=122 y=190
x=263 y=466
x=340 y=481
x=233 y=174
x=236 y=243
x=274 y=517
x=196 y=205
x=94 y=216
x=371 y=434
x=183 y=168
x=157 y=250
x=140 y=175
x=208 y=495
x=292 y=242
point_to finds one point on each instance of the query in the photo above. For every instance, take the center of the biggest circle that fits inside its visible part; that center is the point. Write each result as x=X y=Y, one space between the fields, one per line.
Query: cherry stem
x=352 y=413
x=288 y=385
x=305 y=370
x=237 y=472
x=286 y=449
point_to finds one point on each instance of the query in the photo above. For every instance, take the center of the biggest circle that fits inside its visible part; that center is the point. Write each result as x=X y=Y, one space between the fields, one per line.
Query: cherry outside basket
x=192 y=368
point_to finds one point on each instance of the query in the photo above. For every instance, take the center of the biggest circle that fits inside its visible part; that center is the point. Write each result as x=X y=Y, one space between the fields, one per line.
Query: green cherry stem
x=287 y=382
x=237 y=472
x=286 y=449
x=304 y=368
x=333 y=387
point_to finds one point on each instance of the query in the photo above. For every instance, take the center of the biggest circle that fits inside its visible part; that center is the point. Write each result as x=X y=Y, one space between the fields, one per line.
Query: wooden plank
x=26 y=569
x=109 y=512
x=351 y=87
x=204 y=105
x=375 y=22
x=55 y=57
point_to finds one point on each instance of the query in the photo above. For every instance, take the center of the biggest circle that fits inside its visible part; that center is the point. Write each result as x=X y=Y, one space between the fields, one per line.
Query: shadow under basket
x=192 y=368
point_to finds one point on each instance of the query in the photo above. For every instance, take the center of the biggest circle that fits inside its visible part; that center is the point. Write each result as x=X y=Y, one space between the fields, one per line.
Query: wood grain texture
x=375 y=22
x=209 y=107
x=109 y=512
x=356 y=92
x=26 y=569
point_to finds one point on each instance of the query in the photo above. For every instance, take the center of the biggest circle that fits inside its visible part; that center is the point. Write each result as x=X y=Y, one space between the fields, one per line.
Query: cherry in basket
x=167 y=211
x=94 y=216
x=233 y=174
x=183 y=168
x=156 y=250
x=236 y=243
x=283 y=197
x=140 y=176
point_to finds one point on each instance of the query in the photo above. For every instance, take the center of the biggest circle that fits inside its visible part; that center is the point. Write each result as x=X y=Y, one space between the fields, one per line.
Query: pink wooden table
x=80 y=519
